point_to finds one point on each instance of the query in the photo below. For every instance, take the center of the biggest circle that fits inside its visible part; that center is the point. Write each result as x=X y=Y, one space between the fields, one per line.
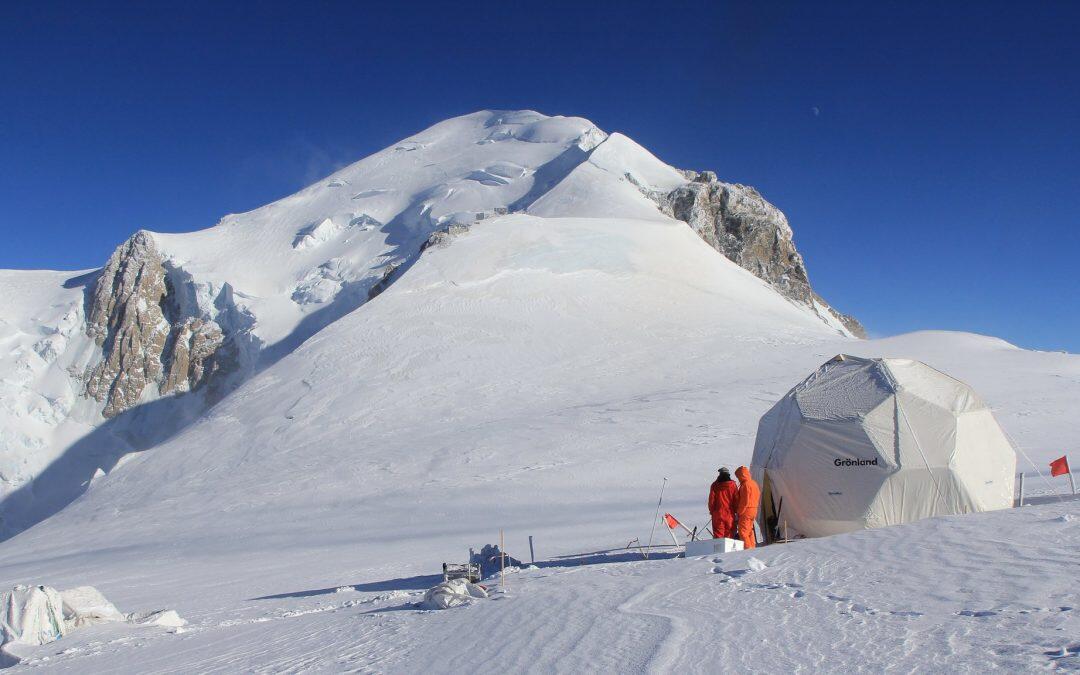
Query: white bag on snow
x=453 y=593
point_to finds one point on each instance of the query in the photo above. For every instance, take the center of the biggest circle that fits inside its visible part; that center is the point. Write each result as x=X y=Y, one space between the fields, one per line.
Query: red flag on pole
x=1060 y=466
x=671 y=521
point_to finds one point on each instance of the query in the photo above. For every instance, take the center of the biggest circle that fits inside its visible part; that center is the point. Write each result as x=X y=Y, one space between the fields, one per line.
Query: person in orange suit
x=722 y=495
x=746 y=507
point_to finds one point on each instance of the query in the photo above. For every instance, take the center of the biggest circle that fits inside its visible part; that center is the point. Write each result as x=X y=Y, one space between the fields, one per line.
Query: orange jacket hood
x=742 y=473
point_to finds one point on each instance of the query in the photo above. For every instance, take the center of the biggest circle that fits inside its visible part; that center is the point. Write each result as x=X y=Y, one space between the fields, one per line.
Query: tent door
x=769 y=510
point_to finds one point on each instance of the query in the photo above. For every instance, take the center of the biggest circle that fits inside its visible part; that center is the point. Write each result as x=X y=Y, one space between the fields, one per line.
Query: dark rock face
x=126 y=320
x=197 y=356
x=131 y=317
x=738 y=222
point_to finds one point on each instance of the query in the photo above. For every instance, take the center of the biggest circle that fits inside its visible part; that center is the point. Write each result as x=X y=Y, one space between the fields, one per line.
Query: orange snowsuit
x=722 y=495
x=746 y=506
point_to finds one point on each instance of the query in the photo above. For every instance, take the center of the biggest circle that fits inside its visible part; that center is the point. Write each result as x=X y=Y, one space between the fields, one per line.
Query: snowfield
x=540 y=373
x=980 y=593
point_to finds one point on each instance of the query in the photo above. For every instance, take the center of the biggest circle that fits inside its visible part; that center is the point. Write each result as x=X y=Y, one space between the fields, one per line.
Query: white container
x=711 y=546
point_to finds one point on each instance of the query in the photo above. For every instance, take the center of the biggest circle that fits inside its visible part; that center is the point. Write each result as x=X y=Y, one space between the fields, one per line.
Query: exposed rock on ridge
x=196 y=356
x=738 y=222
x=126 y=320
x=133 y=317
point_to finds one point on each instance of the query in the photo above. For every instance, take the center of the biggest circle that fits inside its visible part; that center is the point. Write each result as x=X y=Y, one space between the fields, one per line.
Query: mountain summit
x=116 y=360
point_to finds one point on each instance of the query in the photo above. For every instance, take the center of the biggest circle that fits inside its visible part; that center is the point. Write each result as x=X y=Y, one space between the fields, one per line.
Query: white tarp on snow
x=872 y=442
x=453 y=593
x=32 y=615
x=38 y=615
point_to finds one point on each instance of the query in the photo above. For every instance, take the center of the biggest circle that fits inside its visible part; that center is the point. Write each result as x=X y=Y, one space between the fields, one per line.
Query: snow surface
x=540 y=374
x=42 y=337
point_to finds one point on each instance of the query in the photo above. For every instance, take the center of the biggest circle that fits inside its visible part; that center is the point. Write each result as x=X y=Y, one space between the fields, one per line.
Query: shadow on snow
x=426 y=581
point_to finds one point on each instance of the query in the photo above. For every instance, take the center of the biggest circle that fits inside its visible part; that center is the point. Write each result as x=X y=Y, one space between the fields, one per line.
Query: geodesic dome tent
x=866 y=443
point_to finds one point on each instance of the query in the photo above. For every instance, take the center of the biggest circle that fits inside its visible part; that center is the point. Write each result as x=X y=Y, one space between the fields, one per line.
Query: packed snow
x=540 y=373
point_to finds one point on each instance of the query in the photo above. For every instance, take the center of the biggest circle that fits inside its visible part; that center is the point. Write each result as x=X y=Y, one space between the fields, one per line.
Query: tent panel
x=934 y=386
x=830 y=472
x=914 y=493
x=843 y=390
x=927 y=432
x=985 y=461
x=775 y=430
x=879 y=425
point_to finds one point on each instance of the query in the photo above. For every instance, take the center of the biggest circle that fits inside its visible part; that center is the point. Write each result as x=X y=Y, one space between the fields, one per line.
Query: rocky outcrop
x=126 y=320
x=738 y=222
x=197 y=355
x=147 y=345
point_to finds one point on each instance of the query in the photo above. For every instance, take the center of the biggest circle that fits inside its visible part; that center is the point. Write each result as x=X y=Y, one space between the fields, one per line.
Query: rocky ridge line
x=739 y=223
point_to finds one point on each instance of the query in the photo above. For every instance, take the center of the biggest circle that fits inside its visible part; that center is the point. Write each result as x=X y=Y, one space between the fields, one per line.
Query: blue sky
x=926 y=156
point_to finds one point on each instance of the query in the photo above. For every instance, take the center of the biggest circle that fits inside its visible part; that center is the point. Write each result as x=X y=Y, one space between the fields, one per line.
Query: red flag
x=1060 y=466
x=671 y=521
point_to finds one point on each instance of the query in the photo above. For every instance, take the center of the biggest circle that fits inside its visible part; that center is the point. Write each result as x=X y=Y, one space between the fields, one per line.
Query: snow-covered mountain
x=354 y=384
x=174 y=322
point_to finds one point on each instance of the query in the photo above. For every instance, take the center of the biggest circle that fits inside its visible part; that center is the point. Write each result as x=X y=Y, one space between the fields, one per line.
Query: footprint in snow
x=978 y=614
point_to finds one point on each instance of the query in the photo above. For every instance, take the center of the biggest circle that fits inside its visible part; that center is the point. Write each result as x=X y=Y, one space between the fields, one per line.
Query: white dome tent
x=867 y=443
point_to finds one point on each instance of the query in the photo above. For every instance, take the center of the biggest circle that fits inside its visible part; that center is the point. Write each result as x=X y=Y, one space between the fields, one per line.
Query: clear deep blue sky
x=926 y=154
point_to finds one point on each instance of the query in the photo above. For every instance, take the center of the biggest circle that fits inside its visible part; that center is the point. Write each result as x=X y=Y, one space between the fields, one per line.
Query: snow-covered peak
x=379 y=210
x=174 y=322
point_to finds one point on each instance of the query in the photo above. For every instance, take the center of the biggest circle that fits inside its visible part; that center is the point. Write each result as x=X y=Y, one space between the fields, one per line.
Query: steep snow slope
x=41 y=340
x=523 y=377
x=521 y=328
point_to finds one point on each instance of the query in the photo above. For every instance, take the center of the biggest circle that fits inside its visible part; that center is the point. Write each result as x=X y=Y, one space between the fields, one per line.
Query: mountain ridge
x=186 y=318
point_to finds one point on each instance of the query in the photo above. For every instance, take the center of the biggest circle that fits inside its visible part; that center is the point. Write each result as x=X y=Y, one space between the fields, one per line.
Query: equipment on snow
x=711 y=546
x=655 y=517
x=1060 y=467
x=468 y=571
x=491 y=559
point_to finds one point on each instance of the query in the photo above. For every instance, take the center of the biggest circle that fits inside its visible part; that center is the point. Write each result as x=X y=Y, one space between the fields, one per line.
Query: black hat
x=724 y=472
